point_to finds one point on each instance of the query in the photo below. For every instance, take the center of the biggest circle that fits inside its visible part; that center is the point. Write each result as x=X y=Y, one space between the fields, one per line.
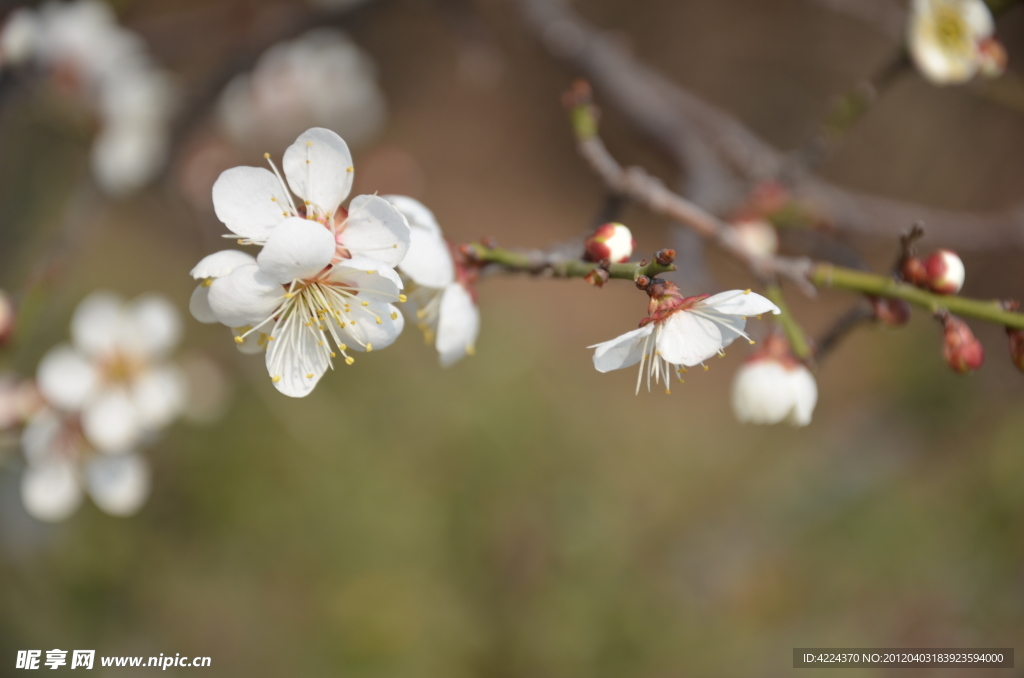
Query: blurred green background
x=521 y=515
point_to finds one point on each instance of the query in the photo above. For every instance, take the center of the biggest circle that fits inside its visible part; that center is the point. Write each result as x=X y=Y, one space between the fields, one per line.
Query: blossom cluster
x=327 y=279
x=101 y=399
x=82 y=49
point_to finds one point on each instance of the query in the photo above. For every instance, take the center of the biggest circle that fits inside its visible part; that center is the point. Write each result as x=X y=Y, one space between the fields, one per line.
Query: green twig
x=537 y=263
x=829 y=275
x=795 y=335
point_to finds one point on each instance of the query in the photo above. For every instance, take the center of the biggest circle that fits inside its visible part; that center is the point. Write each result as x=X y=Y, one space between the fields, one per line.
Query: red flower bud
x=1016 y=347
x=961 y=350
x=611 y=241
x=892 y=312
x=942 y=272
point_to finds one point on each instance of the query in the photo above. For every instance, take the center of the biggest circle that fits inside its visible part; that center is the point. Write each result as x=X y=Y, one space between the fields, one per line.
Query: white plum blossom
x=320 y=79
x=324 y=282
x=680 y=332
x=81 y=47
x=440 y=291
x=116 y=372
x=773 y=387
x=62 y=466
x=951 y=40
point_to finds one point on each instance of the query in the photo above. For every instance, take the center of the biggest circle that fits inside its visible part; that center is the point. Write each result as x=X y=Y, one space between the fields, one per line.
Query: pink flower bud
x=757 y=237
x=991 y=58
x=961 y=350
x=611 y=241
x=891 y=312
x=6 y=317
x=942 y=272
x=1016 y=347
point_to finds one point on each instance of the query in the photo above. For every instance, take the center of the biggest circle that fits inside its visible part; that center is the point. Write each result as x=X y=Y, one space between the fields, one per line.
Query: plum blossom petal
x=368 y=280
x=295 y=360
x=110 y=421
x=298 y=248
x=375 y=228
x=246 y=296
x=157 y=324
x=119 y=484
x=66 y=379
x=622 y=351
x=51 y=492
x=429 y=260
x=221 y=263
x=370 y=334
x=199 y=304
x=250 y=201
x=318 y=167
x=739 y=302
x=688 y=339
x=458 y=325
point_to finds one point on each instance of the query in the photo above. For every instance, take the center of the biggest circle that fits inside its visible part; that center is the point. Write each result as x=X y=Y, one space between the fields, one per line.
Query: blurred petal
x=110 y=422
x=458 y=325
x=429 y=260
x=250 y=201
x=51 y=492
x=298 y=248
x=376 y=229
x=157 y=324
x=199 y=305
x=97 y=324
x=622 y=351
x=158 y=395
x=119 y=484
x=246 y=296
x=318 y=167
x=66 y=378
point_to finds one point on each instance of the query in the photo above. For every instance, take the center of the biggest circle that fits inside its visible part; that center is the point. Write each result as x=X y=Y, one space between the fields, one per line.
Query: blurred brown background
x=521 y=514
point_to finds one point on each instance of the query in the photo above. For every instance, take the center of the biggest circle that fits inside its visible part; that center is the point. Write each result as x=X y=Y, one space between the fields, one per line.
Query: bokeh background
x=521 y=514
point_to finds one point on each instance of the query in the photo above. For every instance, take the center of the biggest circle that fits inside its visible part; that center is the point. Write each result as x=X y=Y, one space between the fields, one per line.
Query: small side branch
x=537 y=262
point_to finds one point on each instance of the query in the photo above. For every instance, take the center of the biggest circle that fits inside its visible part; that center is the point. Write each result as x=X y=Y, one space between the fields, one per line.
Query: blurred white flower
x=774 y=387
x=324 y=282
x=680 y=332
x=757 y=237
x=61 y=463
x=441 y=295
x=81 y=46
x=116 y=372
x=321 y=79
x=19 y=401
x=951 y=40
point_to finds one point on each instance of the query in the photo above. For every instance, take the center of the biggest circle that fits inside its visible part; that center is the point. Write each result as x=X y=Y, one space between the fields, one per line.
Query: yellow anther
x=308 y=144
x=350 y=169
x=366 y=303
x=270 y=338
x=285 y=214
x=394 y=315
x=752 y=342
x=370 y=272
x=240 y=242
x=706 y=368
x=369 y=347
x=309 y=376
x=266 y=156
x=668 y=392
x=351 y=322
x=758 y=316
x=207 y=282
x=395 y=246
x=402 y=298
x=273 y=199
x=471 y=350
x=349 y=360
x=379 y=321
x=276 y=379
x=333 y=354
x=682 y=369
x=289 y=295
x=319 y=343
x=239 y=340
x=420 y=313
x=306 y=203
x=746 y=291
x=342 y=347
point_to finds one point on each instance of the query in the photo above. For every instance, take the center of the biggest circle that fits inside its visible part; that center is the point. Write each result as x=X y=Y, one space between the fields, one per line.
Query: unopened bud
x=642 y=282
x=610 y=241
x=597 y=277
x=757 y=237
x=991 y=58
x=1016 y=347
x=942 y=272
x=665 y=257
x=6 y=317
x=889 y=311
x=962 y=351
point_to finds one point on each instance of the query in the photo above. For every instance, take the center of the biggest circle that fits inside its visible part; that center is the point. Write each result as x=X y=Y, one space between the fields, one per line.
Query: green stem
x=513 y=261
x=827 y=275
x=795 y=335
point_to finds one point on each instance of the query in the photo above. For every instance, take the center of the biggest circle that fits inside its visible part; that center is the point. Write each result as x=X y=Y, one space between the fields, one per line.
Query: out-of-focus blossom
x=116 y=372
x=951 y=40
x=773 y=387
x=324 y=282
x=942 y=272
x=19 y=401
x=611 y=241
x=321 y=79
x=81 y=47
x=756 y=237
x=62 y=466
x=7 y=317
x=440 y=289
x=680 y=332
x=962 y=351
